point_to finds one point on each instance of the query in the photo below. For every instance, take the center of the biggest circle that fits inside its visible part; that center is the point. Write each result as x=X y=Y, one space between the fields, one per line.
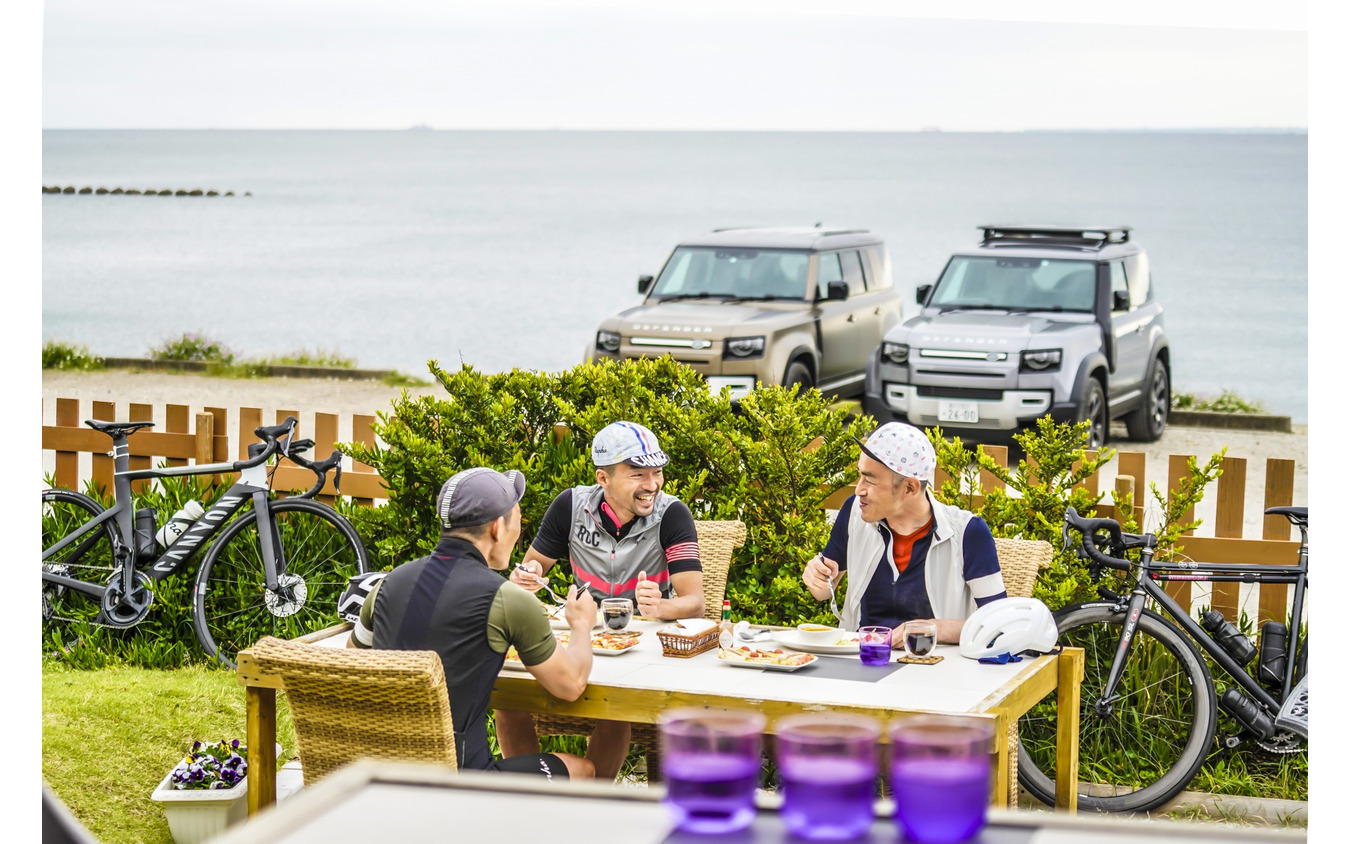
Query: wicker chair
x=351 y=704
x=717 y=541
x=1021 y=561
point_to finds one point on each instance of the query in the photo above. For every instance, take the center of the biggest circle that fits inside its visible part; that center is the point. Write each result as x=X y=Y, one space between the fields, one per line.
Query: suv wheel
x=1148 y=422
x=797 y=377
x=1092 y=407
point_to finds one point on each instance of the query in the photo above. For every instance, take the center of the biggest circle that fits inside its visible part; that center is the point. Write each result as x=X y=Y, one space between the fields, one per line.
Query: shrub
x=1227 y=402
x=193 y=347
x=752 y=463
x=58 y=355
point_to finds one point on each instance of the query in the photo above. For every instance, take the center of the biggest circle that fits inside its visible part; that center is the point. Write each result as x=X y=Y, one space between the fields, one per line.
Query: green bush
x=58 y=355
x=193 y=347
x=749 y=463
x=1227 y=402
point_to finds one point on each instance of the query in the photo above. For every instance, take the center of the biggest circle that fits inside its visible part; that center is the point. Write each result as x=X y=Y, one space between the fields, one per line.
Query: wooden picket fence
x=183 y=437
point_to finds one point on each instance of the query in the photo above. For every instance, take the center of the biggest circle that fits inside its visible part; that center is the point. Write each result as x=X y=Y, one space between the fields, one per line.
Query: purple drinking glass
x=827 y=769
x=710 y=760
x=940 y=776
x=874 y=645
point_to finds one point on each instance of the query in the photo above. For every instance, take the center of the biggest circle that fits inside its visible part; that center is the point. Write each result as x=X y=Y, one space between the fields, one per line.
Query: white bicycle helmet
x=1008 y=625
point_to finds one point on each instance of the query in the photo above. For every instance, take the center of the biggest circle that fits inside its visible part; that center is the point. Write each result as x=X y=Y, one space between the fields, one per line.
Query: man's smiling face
x=630 y=490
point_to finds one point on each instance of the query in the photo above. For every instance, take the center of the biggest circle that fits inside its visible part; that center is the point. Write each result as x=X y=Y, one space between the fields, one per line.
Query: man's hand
x=580 y=611
x=529 y=576
x=648 y=597
x=819 y=576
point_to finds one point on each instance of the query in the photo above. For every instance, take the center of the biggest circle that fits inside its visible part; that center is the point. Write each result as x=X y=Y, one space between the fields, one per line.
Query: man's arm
x=565 y=672
x=549 y=544
x=983 y=576
x=820 y=576
x=533 y=562
x=948 y=631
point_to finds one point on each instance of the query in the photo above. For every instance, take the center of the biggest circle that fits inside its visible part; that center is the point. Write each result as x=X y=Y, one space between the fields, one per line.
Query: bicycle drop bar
x=1088 y=528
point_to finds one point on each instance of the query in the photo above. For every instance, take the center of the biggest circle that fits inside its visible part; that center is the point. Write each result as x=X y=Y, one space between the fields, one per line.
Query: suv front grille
x=959 y=393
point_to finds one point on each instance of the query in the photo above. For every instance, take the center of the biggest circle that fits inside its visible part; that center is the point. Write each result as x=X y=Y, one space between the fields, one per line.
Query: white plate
x=767 y=666
x=607 y=652
x=790 y=639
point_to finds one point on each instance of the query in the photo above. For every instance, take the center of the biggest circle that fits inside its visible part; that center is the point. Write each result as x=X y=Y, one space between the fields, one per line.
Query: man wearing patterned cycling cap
x=454 y=602
x=910 y=556
x=624 y=538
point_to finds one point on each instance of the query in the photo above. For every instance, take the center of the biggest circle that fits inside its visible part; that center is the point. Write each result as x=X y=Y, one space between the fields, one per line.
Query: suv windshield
x=695 y=272
x=1019 y=284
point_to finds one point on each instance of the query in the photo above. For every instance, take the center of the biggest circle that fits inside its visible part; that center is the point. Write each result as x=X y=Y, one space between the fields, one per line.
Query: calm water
x=505 y=249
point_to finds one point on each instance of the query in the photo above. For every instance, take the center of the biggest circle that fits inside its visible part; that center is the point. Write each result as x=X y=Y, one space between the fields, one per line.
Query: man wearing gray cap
x=453 y=602
x=624 y=538
x=909 y=556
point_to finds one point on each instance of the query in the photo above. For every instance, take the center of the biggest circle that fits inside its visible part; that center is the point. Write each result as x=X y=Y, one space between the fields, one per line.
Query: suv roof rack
x=1091 y=236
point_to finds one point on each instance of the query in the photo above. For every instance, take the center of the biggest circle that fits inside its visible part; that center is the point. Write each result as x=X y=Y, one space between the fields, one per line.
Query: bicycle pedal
x=1293 y=715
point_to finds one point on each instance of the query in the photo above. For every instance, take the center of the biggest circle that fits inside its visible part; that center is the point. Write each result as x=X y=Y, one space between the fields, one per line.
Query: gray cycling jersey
x=610 y=566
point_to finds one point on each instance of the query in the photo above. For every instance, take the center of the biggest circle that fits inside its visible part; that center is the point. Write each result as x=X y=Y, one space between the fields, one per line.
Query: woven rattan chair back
x=1021 y=560
x=717 y=542
x=351 y=704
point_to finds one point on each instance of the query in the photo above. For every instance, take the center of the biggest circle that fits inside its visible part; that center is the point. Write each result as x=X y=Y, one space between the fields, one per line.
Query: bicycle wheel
x=1160 y=727
x=317 y=551
x=89 y=558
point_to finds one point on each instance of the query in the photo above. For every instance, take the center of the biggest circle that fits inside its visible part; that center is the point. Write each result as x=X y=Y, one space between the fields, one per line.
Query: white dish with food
x=844 y=643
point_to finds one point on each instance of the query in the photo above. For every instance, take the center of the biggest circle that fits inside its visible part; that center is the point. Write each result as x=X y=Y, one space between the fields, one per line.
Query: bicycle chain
x=1281 y=743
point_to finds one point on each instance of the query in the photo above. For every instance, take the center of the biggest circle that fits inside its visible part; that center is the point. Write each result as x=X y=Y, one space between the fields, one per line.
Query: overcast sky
x=657 y=65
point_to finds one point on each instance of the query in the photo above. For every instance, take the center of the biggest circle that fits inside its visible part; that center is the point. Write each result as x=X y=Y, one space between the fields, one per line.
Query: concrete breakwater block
x=135 y=192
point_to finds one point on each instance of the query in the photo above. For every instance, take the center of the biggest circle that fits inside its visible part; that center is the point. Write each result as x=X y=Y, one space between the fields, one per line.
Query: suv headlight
x=1041 y=360
x=607 y=341
x=896 y=353
x=743 y=347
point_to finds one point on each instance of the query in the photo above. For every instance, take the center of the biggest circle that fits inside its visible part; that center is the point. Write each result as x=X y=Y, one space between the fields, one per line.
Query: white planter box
x=195 y=816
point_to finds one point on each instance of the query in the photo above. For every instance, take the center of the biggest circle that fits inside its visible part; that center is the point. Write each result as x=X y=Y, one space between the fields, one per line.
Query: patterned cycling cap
x=627 y=442
x=903 y=449
x=477 y=496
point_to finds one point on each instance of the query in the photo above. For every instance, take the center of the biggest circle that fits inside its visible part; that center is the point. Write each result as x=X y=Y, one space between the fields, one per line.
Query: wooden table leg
x=260 y=714
x=1066 y=742
x=1000 y=796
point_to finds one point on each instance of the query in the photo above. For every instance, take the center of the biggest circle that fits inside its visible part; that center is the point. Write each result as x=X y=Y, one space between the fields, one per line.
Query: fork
x=543 y=581
x=834 y=606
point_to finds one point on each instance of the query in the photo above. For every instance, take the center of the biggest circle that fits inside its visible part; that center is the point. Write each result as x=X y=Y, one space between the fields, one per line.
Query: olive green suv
x=790 y=306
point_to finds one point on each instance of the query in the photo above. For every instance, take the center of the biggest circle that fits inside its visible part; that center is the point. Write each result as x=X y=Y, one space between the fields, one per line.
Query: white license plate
x=958 y=411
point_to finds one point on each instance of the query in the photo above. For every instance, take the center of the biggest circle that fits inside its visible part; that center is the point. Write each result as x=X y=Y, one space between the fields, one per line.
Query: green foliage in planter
x=749 y=463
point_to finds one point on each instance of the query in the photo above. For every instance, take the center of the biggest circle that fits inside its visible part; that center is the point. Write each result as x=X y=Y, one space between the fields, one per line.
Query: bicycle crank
x=289 y=596
x=118 y=610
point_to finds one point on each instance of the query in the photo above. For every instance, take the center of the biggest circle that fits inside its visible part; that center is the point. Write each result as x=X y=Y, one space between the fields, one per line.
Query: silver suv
x=1032 y=320
x=790 y=306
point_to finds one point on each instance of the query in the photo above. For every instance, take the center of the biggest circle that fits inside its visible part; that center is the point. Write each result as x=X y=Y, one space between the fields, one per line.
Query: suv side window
x=875 y=269
x=830 y=270
x=1136 y=273
x=853 y=273
x=1118 y=279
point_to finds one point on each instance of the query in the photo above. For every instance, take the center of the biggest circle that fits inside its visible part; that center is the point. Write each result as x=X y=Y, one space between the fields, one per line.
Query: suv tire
x=797 y=377
x=1092 y=407
x=1148 y=422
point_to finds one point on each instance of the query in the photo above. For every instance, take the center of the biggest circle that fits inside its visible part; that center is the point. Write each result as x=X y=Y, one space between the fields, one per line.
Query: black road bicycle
x=1148 y=714
x=278 y=569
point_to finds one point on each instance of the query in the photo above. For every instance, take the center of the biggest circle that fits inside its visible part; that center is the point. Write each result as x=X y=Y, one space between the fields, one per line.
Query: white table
x=639 y=684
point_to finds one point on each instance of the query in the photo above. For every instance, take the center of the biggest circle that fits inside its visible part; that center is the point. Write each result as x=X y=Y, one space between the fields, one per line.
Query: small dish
x=730 y=657
x=847 y=643
x=818 y=634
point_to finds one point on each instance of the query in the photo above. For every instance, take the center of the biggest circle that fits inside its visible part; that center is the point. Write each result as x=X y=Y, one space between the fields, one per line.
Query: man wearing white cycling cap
x=624 y=538
x=909 y=556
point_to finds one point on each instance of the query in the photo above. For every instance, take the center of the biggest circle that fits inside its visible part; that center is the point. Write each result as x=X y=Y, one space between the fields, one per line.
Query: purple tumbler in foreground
x=827 y=765
x=940 y=776
x=711 y=764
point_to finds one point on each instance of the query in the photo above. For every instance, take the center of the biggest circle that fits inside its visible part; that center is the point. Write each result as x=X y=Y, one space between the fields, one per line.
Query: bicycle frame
x=252 y=485
x=1151 y=573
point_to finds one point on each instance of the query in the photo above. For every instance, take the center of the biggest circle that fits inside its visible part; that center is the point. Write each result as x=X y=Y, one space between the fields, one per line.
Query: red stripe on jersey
x=682 y=551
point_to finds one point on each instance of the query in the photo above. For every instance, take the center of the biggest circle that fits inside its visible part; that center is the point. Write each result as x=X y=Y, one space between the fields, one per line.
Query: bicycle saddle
x=117 y=429
x=1297 y=515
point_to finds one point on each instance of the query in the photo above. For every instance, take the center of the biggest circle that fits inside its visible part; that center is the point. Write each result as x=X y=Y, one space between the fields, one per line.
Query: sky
x=786 y=65
x=957 y=65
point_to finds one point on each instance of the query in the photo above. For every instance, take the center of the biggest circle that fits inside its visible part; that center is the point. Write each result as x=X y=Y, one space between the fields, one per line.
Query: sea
x=506 y=249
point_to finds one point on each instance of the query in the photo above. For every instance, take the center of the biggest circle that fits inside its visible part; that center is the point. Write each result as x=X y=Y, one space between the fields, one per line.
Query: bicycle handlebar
x=277 y=439
x=1088 y=529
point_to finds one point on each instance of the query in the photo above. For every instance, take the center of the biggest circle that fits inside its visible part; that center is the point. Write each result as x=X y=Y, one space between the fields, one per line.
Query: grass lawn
x=110 y=736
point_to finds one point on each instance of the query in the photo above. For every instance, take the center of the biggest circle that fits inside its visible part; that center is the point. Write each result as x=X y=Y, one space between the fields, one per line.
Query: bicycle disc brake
x=289 y=597
x=118 y=610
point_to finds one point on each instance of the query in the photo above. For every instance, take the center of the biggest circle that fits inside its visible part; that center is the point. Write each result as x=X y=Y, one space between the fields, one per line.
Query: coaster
x=919 y=660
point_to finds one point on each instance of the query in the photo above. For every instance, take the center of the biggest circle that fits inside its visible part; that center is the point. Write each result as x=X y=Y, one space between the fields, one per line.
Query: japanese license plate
x=958 y=411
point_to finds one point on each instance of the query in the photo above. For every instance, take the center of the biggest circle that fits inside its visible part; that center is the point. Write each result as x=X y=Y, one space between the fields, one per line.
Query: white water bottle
x=181 y=521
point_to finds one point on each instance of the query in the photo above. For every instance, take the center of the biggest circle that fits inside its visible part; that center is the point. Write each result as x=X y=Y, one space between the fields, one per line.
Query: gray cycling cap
x=477 y=496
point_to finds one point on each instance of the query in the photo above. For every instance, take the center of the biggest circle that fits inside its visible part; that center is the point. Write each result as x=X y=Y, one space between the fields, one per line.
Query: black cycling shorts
x=542 y=764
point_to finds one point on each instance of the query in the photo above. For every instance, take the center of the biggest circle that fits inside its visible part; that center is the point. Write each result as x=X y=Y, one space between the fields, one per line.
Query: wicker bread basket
x=678 y=642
